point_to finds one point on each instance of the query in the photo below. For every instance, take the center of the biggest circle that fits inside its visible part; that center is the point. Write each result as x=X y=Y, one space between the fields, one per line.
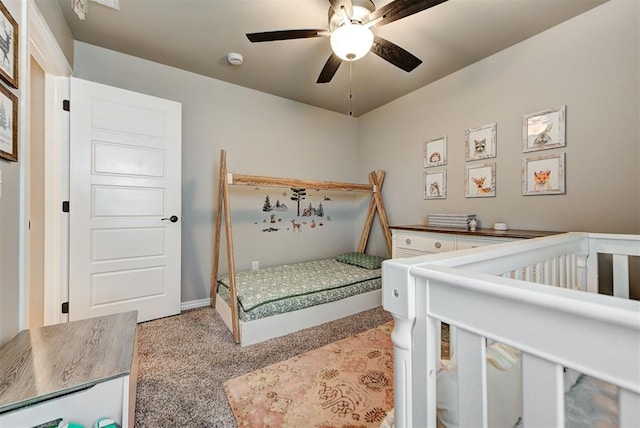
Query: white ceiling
x=196 y=35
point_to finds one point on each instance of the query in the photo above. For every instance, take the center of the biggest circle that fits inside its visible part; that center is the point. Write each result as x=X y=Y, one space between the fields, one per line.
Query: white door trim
x=44 y=48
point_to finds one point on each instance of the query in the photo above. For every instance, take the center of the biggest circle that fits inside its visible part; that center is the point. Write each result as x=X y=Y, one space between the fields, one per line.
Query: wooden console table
x=80 y=371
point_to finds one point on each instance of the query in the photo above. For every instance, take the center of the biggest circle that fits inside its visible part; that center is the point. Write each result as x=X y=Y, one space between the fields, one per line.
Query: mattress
x=589 y=402
x=285 y=288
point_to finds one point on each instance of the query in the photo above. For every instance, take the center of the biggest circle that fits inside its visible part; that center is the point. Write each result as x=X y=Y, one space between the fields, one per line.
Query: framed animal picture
x=8 y=47
x=480 y=143
x=435 y=152
x=480 y=180
x=544 y=130
x=8 y=125
x=543 y=175
x=435 y=184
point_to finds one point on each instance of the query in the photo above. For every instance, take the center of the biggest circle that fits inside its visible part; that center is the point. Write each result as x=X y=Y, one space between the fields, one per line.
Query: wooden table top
x=510 y=233
x=47 y=362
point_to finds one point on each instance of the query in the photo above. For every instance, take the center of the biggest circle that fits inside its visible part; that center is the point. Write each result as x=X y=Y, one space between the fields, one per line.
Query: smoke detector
x=234 y=58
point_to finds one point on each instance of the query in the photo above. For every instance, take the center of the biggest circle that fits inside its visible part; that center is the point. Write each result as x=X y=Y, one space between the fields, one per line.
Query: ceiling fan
x=351 y=38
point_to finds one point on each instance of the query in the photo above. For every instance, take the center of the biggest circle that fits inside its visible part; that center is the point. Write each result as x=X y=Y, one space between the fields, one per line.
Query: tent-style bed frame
x=254 y=331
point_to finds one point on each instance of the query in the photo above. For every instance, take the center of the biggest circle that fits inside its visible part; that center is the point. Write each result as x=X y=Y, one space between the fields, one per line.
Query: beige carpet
x=183 y=361
x=345 y=383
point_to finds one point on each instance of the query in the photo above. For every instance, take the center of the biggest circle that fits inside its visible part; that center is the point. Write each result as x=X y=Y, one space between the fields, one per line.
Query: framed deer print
x=435 y=184
x=8 y=125
x=435 y=152
x=544 y=130
x=543 y=175
x=8 y=47
x=480 y=143
x=480 y=180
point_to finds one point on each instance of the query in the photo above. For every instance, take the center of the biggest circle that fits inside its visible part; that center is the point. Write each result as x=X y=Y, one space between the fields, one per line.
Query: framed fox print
x=543 y=175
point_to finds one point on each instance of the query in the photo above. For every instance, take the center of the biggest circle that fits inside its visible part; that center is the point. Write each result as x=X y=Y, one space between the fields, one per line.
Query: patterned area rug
x=346 y=383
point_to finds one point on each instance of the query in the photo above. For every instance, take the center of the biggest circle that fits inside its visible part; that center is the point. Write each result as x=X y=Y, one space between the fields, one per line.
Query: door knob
x=172 y=219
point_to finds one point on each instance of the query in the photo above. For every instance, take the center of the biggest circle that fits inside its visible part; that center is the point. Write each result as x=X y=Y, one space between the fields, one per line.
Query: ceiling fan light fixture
x=351 y=42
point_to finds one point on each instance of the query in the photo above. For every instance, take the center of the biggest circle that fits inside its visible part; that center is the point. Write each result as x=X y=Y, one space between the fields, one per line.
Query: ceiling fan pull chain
x=350 y=91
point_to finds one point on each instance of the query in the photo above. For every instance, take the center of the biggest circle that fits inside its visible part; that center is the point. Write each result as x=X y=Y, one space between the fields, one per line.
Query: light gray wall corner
x=590 y=64
x=262 y=134
x=10 y=204
x=50 y=10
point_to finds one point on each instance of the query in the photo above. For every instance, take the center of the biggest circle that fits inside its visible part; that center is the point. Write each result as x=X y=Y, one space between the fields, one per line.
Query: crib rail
x=620 y=247
x=593 y=334
x=482 y=293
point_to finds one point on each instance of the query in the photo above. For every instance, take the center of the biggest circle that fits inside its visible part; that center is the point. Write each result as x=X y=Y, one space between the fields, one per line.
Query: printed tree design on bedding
x=298 y=194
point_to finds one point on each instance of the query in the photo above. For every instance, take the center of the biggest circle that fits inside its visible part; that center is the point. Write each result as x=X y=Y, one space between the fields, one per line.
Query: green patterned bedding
x=287 y=288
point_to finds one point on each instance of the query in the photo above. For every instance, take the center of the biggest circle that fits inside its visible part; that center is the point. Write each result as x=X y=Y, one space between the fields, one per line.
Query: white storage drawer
x=464 y=243
x=403 y=253
x=410 y=241
x=425 y=242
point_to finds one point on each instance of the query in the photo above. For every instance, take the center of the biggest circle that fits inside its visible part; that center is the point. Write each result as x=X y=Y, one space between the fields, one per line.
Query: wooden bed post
x=223 y=199
x=218 y=226
x=376 y=178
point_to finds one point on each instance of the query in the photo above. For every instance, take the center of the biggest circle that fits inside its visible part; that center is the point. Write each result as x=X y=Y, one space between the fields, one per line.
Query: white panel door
x=125 y=203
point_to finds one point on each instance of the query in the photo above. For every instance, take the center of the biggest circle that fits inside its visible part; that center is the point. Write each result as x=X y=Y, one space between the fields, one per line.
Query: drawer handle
x=438 y=244
x=408 y=241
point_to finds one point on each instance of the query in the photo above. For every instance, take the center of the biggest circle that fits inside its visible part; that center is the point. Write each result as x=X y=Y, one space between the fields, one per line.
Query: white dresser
x=415 y=240
x=80 y=371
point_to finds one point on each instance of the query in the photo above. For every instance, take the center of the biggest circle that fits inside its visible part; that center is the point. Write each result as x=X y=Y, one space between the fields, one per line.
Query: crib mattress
x=286 y=288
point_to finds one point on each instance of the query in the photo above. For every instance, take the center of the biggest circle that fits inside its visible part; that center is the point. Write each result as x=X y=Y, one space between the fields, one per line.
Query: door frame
x=44 y=48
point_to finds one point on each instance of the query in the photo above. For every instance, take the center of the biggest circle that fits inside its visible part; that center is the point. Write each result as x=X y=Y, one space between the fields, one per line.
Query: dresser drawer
x=464 y=243
x=425 y=242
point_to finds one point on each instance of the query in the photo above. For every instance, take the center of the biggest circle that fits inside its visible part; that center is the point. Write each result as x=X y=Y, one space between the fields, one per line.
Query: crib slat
x=472 y=379
x=542 y=392
x=629 y=405
x=621 y=275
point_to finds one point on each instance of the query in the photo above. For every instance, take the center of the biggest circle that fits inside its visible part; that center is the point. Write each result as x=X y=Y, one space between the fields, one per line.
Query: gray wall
x=263 y=135
x=10 y=216
x=590 y=64
x=50 y=10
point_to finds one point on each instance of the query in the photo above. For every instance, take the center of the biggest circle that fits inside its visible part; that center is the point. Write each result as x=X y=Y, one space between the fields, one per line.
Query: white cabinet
x=80 y=371
x=409 y=243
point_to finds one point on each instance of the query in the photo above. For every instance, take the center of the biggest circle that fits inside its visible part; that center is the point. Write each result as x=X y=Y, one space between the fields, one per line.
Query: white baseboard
x=193 y=304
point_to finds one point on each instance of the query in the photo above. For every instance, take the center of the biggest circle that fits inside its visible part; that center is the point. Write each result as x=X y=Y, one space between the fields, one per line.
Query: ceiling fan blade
x=399 y=9
x=329 y=69
x=395 y=54
x=338 y=5
x=270 y=36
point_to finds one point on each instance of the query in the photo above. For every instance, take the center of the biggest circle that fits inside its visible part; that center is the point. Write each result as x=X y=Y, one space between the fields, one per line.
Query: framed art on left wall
x=8 y=47
x=8 y=125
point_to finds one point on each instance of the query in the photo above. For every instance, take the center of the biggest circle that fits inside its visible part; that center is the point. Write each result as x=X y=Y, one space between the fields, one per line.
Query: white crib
x=495 y=294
